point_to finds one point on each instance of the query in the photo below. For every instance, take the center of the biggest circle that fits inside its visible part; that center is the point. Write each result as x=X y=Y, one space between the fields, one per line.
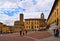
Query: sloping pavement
x=51 y=38
x=14 y=37
x=31 y=36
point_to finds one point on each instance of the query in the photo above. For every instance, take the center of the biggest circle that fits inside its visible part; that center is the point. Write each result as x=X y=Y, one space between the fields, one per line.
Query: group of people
x=22 y=33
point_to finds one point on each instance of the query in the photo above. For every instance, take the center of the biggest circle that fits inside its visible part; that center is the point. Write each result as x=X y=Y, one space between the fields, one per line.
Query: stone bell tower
x=21 y=17
x=42 y=16
x=21 y=21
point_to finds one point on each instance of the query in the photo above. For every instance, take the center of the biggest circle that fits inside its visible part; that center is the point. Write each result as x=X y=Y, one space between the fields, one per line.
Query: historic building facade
x=55 y=13
x=24 y=24
x=35 y=23
x=18 y=25
x=29 y=24
x=4 y=28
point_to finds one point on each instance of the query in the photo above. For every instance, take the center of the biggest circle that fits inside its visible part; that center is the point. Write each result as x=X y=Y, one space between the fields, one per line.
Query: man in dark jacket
x=56 y=32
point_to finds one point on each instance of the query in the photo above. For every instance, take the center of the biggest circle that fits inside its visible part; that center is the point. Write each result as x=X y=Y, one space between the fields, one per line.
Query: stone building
x=29 y=24
x=1 y=24
x=19 y=25
x=4 y=28
x=55 y=13
x=35 y=23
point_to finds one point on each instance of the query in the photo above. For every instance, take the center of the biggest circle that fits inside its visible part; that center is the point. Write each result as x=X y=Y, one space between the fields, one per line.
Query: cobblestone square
x=31 y=36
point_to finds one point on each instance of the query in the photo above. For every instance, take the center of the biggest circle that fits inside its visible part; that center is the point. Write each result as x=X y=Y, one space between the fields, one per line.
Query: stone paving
x=40 y=34
x=35 y=37
x=49 y=39
x=52 y=38
x=14 y=37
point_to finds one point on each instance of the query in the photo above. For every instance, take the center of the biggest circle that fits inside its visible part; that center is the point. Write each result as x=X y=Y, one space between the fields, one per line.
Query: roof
x=17 y=21
x=35 y=19
x=54 y=5
x=1 y=23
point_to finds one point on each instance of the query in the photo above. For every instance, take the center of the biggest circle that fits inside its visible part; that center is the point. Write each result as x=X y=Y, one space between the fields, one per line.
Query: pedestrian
x=20 y=32
x=23 y=33
x=26 y=32
x=56 y=32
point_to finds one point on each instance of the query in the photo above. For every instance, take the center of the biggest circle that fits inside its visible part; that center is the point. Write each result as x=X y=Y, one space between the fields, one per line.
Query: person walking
x=23 y=33
x=56 y=32
x=20 y=32
x=26 y=32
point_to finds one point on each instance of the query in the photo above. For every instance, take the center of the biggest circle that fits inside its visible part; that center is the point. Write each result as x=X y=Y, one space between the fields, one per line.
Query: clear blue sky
x=10 y=9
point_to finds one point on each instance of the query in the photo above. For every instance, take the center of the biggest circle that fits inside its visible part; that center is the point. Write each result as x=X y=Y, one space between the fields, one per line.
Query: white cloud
x=28 y=4
x=8 y=4
x=8 y=20
x=32 y=11
x=41 y=5
x=8 y=0
x=34 y=15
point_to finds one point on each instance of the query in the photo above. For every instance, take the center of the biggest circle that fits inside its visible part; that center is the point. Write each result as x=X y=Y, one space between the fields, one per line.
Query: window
x=26 y=26
x=35 y=26
x=29 y=26
x=26 y=22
